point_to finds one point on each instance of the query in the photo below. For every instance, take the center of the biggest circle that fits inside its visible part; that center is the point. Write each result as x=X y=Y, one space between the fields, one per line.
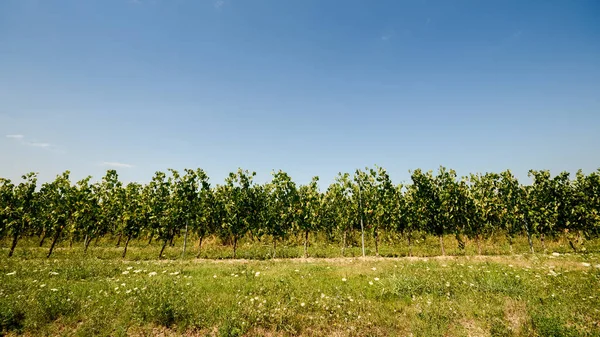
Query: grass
x=213 y=248
x=100 y=294
x=496 y=294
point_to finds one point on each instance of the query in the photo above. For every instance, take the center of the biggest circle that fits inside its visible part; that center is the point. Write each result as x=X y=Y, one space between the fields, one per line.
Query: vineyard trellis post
x=362 y=229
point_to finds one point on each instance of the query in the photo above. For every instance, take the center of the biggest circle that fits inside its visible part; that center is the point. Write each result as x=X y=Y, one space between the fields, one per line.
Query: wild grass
x=496 y=294
x=100 y=294
x=213 y=248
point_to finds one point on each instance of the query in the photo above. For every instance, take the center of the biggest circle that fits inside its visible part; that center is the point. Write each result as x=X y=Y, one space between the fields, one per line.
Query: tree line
x=184 y=204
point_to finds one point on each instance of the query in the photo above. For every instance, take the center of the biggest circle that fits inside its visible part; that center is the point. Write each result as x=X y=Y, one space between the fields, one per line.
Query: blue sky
x=310 y=87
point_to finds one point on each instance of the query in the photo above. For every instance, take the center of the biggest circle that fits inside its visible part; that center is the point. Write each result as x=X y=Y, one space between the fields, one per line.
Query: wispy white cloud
x=116 y=164
x=219 y=3
x=38 y=144
x=34 y=143
x=386 y=36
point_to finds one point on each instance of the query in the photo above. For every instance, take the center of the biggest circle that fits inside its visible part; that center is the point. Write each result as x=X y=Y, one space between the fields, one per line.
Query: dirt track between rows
x=567 y=261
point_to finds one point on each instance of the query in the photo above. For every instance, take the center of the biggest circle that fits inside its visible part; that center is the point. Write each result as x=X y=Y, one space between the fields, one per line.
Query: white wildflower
x=344 y=279
x=257 y=274
x=125 y=272
x=302 y=304
x=447 y=284
x=585 y=264
x=214 y=276
x=53 y=289
x=376 y=279
x=555 y=254
x=11 y=273
x=137 y=271
x=370 y=282
x=373 y=269
x=152 y=273
x=53 y=273
x=129 y=268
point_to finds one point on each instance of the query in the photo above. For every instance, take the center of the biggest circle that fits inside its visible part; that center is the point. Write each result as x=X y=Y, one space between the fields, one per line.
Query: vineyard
x=479 y=210
x=483 y=255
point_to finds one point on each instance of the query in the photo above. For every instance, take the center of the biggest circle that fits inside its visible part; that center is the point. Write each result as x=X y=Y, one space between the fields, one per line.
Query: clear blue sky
x=310 y=87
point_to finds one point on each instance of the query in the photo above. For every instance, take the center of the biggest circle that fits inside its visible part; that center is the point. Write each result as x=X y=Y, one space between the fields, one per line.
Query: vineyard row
x=176 y=204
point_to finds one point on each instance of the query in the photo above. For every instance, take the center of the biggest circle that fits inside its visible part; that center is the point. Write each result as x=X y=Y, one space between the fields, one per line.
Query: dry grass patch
x=515 y=314
x=474 y=328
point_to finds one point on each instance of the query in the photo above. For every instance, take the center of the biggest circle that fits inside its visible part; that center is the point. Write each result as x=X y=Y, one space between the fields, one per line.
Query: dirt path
x=517 y=260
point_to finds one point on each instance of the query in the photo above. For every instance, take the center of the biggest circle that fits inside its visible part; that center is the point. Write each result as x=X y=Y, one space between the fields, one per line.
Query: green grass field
x=466 y=295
